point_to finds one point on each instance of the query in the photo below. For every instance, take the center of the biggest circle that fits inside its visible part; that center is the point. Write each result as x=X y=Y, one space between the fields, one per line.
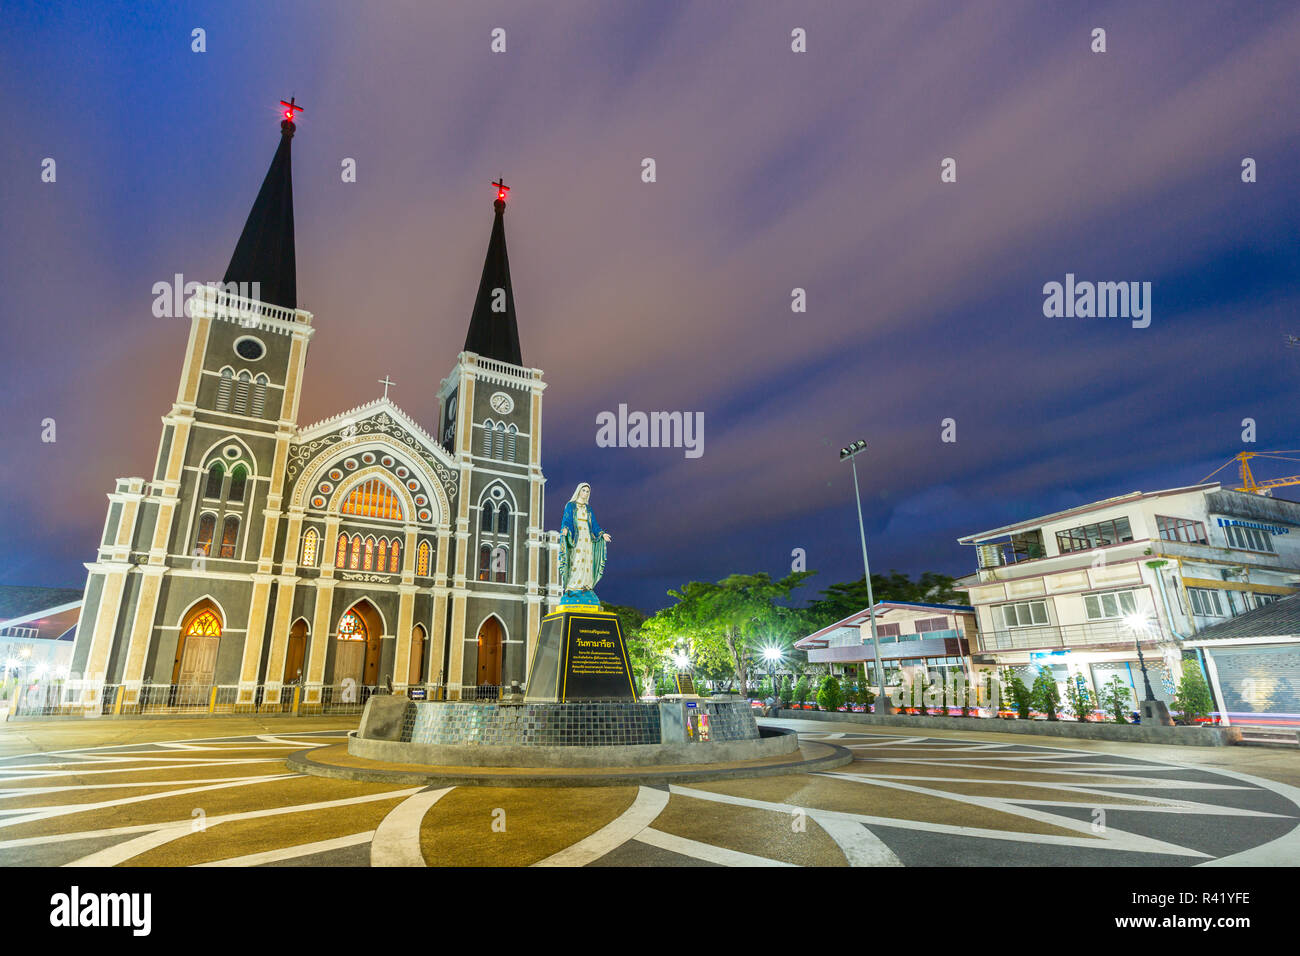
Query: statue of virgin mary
x=582 y=550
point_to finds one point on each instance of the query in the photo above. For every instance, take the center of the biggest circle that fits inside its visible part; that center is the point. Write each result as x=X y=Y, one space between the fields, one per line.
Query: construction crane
x=1248 y=482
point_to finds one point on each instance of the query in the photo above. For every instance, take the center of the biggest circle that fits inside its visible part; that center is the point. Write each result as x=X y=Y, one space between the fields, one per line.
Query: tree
x=865 y=697
x=840 y=600
x=1079 y=697
x=1193 y=699
x=642 y=650
x=830 y=696
x=1020 y=695
x=801 y=690
x=787 y=691
x=1114 y=698
x=1045 y=694
x=733 y=620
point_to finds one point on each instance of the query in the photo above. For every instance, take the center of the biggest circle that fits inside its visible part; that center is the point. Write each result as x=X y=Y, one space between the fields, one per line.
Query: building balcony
x=1060 y=637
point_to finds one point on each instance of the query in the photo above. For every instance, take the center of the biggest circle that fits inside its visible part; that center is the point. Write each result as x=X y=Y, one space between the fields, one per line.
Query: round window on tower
x=249 y=348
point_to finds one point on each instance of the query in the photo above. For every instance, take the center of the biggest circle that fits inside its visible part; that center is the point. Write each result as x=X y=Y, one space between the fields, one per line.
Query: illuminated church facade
x=359 y=551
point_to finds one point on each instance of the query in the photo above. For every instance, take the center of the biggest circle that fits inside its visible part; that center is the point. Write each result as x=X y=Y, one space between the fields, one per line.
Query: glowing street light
x=1151 y=709
x=849 y=453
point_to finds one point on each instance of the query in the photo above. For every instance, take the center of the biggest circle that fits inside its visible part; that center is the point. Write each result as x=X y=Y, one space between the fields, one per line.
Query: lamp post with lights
x=1152 y=710
x=882 y=705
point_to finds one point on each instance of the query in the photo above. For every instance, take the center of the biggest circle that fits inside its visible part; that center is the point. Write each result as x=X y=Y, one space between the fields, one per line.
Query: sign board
x=417 y=693
x=686 y=685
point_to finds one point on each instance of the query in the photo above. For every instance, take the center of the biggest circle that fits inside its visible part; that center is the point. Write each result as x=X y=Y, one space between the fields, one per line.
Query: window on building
x=242 y=383
x=499 y=441
x=887 y=633
x=223 y=390
x=926 y=624
x=1094 y=535
x=489 y=427
x=373 y=499
x=1023 y=614
x=368 y=560
x=422 y=559
x=259 y=395
x=310 y=541
x=216 y=474
x=1206 y=603
x=512 y=433
x=381 y=554
x=489 y=510
x=484 y=561
x=341 y=557
x=503 y=519
x=1262 y=599
x=1109 y=604
x=229 y=533
x=395 y=558
x=352 y=627
x=1248 y=539
x=238 y=479
x=1181 y=529
x=500 y=565
x=354 y=560
x=207 y=526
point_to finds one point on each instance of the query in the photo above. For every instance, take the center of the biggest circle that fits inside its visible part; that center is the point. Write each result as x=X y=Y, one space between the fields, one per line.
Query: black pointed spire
x=265 y=251
x=493 y=331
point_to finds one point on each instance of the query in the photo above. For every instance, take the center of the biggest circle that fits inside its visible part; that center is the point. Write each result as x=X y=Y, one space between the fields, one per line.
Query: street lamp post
x=848 y=454
x=1152 y=710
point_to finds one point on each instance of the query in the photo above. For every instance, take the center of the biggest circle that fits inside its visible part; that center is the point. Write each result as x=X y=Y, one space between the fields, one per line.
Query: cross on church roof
x=502 y=188
x=290 y=108
x=386 y=381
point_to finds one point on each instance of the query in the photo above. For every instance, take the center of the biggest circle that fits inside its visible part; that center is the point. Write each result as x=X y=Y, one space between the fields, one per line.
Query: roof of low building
x=19 y=601
x=858 y=617
x=1278 y=619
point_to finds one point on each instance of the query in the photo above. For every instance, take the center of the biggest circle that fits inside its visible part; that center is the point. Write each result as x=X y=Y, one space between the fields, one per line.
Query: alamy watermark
x=1102 y=300
x=651 y=430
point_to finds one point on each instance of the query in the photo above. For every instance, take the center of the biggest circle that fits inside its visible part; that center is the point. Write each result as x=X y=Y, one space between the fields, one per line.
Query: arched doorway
x=489 y=652
x=416 y=674
x=196 y=651
x=356 y=653
x=297 y=650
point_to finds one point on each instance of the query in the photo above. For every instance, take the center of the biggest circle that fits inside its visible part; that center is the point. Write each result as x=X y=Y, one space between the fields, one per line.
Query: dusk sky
x=775 y=170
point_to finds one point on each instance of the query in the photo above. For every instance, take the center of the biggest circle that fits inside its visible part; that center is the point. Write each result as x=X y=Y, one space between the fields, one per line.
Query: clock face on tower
x=502 y=403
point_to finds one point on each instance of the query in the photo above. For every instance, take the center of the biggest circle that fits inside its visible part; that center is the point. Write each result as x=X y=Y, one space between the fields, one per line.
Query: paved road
x=152 y=797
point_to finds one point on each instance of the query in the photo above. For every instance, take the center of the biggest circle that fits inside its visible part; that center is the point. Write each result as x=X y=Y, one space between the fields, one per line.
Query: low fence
x=79 y=698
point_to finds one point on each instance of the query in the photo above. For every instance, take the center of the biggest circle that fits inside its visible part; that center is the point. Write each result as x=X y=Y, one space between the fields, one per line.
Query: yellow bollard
x=212 y=701
x=117 y=702
x=297 y=689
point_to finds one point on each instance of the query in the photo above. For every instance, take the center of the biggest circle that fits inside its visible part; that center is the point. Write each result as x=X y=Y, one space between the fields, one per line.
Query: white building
x=1074 y=589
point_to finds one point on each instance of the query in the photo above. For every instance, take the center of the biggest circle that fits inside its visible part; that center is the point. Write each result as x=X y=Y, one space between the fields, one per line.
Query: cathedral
x=358 y=552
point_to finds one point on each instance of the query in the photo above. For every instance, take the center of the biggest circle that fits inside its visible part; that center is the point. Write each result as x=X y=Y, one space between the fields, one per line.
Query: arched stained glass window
x=354 y=562
x=341 y=559
x=207 y=526
x=229 y=533
x=395 y=559
x=488 y=511
x=373 y=499
x=205 y=624
x=500 y=564
x=310 y=540
x=215 y=476
x=422 y=559
x=503 y=519
x=238 y=479
x=381 y=559
x=368 y=562
x=352 y=627
x=484 y=562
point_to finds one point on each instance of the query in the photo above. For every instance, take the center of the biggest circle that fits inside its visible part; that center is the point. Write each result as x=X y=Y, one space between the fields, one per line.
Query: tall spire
x=265 y=251
x=493 y=331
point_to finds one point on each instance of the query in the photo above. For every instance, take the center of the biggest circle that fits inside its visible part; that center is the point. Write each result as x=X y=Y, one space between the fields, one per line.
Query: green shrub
x=1019 y=695
x=830 y=695
x=787 y=691
x=1114 y=698
x=1193 y=698
x=1079 y=697
x=801 y=690
x=1045 y=694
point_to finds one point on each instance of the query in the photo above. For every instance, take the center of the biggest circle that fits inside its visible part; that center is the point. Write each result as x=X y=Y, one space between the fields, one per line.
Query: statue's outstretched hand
x=606 y=536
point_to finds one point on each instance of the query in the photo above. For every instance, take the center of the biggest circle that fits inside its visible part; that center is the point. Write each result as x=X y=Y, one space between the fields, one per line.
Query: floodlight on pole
x=848 y=454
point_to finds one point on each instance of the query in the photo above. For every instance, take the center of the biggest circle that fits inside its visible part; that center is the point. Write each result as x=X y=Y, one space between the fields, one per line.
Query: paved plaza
x=217 y=793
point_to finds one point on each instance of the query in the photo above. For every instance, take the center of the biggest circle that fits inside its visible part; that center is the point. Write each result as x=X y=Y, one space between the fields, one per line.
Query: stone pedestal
x=580 y=655
x=1155 y=712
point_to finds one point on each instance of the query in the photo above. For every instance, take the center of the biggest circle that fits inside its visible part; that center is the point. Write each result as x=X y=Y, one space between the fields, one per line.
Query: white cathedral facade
x=358 y=552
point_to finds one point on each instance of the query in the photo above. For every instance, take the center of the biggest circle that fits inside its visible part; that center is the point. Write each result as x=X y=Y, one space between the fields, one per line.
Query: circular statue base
x=576 y=743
